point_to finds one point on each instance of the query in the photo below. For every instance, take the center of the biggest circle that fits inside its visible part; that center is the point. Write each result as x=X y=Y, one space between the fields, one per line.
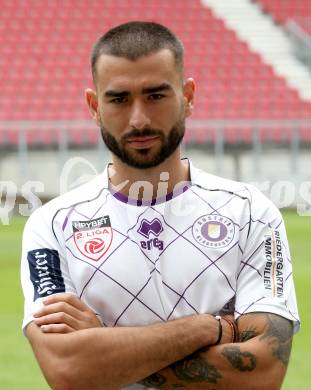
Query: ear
x=188 y=92
x=92 y=102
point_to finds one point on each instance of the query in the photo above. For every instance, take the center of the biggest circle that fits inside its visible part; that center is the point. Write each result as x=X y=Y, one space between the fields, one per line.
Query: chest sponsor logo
x=148 y=229
x=214 y=231
x=93 y=238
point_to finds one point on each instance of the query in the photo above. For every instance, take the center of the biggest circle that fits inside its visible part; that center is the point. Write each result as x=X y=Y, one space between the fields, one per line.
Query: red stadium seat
x=45 y=60
x=283 y=10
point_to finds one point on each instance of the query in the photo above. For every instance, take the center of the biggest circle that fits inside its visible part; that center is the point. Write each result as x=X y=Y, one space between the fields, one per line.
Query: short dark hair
x=136 y=39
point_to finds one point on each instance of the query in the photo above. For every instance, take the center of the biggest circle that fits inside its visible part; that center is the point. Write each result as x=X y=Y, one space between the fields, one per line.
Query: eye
x=118 y=100
x=156 y=96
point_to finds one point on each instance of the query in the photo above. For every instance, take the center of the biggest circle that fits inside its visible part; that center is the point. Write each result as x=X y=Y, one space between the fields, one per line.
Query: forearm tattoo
x=247 y=334
x=195 y=369
x=279 y=333
x=154 y=380
x=192 y=369
x=242 y=361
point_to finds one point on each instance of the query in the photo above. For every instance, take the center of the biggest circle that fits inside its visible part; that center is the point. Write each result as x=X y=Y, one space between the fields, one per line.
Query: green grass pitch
x=18 y=369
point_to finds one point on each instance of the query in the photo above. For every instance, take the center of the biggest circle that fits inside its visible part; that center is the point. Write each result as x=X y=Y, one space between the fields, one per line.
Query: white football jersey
x=215 y=245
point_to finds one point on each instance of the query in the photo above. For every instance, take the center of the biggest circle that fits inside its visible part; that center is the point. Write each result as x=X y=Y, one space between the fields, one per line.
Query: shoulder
x=210 y=182
x=250 y=195
x=85 y=193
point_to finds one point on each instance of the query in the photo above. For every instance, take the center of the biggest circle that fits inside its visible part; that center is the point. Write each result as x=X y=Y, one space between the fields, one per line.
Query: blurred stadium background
x=252 y=121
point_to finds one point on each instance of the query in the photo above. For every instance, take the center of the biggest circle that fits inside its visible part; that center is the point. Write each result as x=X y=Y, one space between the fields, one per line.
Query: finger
x=58 y=318
x=59 y=307
x=56 y=328
x=63 y=312
x=71 y=299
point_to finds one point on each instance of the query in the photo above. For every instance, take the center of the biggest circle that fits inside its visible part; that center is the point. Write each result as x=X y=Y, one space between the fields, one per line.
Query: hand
x=65 y=313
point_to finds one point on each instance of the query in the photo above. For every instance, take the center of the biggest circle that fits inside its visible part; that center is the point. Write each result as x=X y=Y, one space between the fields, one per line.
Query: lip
x=142 y=142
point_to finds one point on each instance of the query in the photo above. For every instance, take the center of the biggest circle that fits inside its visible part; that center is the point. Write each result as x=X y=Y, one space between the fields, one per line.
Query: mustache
x=148 y=132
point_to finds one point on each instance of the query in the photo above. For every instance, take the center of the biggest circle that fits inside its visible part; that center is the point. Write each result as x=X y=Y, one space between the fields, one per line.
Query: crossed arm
x=75 y=352
x=257 y=361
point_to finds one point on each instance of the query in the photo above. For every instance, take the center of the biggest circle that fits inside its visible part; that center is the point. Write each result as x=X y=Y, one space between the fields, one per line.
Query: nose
x=139 y=118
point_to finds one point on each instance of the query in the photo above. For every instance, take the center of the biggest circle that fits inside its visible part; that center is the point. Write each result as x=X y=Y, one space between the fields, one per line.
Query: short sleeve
x=265 y=278
x=44 y=269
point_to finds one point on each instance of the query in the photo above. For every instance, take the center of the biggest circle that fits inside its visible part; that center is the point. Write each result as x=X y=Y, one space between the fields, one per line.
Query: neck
x=151 y=183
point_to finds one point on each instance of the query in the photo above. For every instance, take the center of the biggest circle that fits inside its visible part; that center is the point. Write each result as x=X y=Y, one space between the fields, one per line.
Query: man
x=124 y=277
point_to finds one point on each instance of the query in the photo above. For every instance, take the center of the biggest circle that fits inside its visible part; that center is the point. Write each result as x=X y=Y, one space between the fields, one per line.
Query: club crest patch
x=213 y=231
x=93 y=238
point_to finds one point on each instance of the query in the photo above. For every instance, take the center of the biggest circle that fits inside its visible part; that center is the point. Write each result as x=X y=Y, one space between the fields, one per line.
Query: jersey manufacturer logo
x=215 y=231
x=93 y=238
x=154 y=228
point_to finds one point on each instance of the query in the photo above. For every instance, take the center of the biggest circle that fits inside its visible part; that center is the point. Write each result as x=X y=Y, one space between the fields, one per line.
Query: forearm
x=111 y=358
x=228 y=366
x=258 y=361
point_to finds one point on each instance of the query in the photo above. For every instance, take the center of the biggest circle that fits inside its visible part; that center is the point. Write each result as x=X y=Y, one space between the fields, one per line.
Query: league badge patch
x=93 y=238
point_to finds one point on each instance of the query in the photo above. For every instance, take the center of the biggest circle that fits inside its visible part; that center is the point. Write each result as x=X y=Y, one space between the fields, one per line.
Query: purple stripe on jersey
x=73 y=205
x=288 y=276
x=125 y=199
x=201 y=273
x=216 y=210
x=252 y=304
x=67 y=217
x=259 y=220
x=118 y=283
x=82 y=215
x=295 y=318
x=227 y=202
x=249 y=265
x=89 y=218
x=171 y=288
x=137 y=219
x=242 y=228
x=78 y=258
x=279 y=224
x=189 y=304
x=246 y=262
x=250 y=194
x=135 y=297
x=255 y=220
x=98 y=268
x=143 y=253
x=203 y=200
x=180 y=235
x=132 y=294
x=67 y=239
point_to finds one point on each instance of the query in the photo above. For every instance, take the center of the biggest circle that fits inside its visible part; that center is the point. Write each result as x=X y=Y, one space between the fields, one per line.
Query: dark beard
x=168 y=147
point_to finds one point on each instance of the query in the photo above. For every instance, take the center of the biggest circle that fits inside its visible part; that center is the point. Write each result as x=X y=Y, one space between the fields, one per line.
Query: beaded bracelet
x=234 y=333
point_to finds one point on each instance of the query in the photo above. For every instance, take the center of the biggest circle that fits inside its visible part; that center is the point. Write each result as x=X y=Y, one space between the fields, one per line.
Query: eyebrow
x=111 y=93
x=153 y=89
x=157 y=88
